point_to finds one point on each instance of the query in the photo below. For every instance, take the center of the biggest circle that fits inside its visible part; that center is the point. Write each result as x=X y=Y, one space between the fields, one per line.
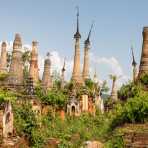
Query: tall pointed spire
x=87 y=41
x=86 y=56
x=133 y=57
x=95 y=76
x=63 y=75
x=76 y=75
x=77 y=34
x=63 y=69
x=134 y=65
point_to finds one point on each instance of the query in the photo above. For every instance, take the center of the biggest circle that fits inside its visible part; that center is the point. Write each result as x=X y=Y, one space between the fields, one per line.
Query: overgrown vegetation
x=74 y=131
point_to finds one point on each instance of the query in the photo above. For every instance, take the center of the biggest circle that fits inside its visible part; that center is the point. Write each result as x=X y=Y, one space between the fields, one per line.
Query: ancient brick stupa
x=3 y=58
x=144 y=55
x=76 y=75
x=16 y=66
x=34 y=70
x=85 y=73
x=47 y=80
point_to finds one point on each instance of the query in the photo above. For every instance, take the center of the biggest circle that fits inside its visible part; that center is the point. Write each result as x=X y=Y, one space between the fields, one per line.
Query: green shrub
x=144 y=79
x=135 y=110
x=115 y=142
x=25 y=119
x=128 y=91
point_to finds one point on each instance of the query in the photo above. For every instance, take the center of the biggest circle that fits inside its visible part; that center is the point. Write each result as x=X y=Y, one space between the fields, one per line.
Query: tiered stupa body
x=47 y=79
x=85 y=73
x=34 y=70
x=16 y=66
x=3 y=58
x=76 y=75
x=144 y=55
x=86 y=60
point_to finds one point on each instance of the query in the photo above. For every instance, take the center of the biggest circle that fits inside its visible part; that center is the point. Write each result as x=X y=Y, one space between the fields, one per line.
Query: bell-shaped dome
x=4 y=44
x=47 y=60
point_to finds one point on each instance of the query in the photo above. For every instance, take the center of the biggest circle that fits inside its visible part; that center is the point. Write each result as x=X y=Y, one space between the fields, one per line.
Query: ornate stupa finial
x=95 y=76
x=133 y=58
x=48 y=55
x=34 y=43
x=77 y=34
x=47 y=60
x=87 y=41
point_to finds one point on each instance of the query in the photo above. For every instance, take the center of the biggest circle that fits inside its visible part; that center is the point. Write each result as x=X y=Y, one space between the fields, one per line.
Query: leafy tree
x=113 y=78
x=128 y=91
x=89 y=83
x=104 y=87
x=69 y=86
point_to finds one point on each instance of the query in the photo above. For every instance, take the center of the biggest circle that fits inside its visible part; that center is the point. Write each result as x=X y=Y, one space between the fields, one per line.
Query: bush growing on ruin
x=135 y=110
x=25 y=120
x=144 y=79
x=55 y=98
x=3 y=76
x=7 y=95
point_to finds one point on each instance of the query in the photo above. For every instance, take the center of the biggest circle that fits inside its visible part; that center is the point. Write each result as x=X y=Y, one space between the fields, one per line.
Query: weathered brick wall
x=136 y=140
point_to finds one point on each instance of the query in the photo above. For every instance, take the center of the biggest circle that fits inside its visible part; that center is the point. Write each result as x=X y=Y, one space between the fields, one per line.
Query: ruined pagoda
x=16 y=66
x=47 y=79
x=143 y=68
x=76 y=75
x=85 y=73
x=34 y=70
x=3 y=58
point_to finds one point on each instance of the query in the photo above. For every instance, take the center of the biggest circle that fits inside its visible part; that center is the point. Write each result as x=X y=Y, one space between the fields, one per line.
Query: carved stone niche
x=6 y=120
x=73 y=107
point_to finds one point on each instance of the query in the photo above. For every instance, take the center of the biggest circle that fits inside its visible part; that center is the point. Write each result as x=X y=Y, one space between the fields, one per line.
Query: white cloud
x=113 y=66
x=56 y=64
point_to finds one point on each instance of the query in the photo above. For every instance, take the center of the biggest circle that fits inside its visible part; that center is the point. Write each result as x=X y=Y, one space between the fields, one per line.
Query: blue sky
x=118 y=24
